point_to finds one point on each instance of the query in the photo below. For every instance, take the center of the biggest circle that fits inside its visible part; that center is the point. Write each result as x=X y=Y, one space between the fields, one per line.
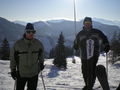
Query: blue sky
x=36 y=10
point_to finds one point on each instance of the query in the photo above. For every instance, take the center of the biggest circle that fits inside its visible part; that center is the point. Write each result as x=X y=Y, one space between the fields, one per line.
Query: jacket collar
x=29 y=41
x=87 y=29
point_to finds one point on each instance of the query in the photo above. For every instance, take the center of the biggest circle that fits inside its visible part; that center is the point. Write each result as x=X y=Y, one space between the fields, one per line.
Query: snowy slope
x=56 y=79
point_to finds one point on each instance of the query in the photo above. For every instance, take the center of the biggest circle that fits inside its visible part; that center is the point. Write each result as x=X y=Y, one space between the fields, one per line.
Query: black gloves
x=14 y=75
x=107 y=48
x=41 y=66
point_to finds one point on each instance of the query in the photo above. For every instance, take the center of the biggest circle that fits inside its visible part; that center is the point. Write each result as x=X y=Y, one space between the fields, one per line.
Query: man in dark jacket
x=89 y=41
x=26 y=60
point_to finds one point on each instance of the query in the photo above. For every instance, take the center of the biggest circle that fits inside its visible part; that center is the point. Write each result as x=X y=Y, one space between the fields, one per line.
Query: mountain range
x=104 y=21
x=109 y=22
x=48 y=31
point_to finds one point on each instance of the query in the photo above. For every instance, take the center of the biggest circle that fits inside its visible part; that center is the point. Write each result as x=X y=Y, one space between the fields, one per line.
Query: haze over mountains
x=109 y=22
x=48 y=31
x=67 y=27
x=104 y=21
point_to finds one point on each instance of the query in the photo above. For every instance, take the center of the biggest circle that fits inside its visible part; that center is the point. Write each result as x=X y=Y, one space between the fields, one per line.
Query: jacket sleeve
x=12 y=60
x=106 y=45
x=41 y=54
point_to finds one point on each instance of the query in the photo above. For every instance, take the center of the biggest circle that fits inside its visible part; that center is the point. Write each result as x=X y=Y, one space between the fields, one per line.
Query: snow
x=55 y=79
x=56 y=21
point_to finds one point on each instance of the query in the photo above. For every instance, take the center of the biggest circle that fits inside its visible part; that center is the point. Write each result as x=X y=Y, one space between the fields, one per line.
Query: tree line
x=60 y=52
x=115 y=48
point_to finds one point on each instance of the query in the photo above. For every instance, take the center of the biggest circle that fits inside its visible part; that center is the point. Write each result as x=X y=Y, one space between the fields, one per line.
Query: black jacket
x=90 y=42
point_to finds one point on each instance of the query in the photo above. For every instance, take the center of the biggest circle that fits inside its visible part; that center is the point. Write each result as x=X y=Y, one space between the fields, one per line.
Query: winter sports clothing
x=90 y=42
x=25 y=55
x=14 y=74
x=29 y=27
x=107 y=48
x=89 y=71
x=87 y=19
x=31 y=83
x=27 y=60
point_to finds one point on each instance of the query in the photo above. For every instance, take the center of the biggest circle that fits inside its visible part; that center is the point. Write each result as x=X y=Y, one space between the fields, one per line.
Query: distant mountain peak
x=20 y=22
x=56 y=21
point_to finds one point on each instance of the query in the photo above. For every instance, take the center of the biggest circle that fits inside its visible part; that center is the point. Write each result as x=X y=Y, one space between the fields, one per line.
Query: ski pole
x=107 y=64
x=15 y=84
x=73 y=58
x=74 y=4
x=42 y=80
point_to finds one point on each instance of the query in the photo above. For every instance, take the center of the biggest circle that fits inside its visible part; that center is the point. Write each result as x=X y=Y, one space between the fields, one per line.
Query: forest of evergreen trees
x=115 y=48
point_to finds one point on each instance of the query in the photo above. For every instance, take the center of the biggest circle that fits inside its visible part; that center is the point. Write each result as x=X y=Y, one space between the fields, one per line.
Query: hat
x=87 y=19
x=29 y=27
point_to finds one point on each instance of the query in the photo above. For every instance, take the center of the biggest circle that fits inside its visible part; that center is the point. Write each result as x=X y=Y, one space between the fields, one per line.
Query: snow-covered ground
x=55 y=79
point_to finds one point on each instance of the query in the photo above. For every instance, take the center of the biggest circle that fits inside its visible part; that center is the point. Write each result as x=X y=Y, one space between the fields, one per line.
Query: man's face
x=87 y=24
x=30 y=34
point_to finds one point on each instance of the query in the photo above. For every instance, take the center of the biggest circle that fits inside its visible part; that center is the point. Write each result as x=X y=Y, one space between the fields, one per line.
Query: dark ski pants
x=89 y=72
x=31 y=83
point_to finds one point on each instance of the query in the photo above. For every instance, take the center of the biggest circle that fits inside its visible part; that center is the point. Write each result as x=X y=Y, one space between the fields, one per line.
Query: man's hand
x=14 y=74
x=41 y=66
x=107 y=48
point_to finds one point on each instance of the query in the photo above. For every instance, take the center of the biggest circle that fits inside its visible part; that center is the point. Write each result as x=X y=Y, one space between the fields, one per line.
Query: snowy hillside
x=55 y=79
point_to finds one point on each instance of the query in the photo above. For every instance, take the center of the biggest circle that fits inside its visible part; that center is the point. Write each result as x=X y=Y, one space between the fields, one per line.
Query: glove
x=14 y=75
x=107 y=48
x=41 y=67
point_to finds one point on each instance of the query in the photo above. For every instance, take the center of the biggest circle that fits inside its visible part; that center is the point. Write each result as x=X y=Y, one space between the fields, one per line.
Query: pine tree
x=115 y=46
x=5 y=49
x=51 y=55
x=60 y=53
x=119 y=37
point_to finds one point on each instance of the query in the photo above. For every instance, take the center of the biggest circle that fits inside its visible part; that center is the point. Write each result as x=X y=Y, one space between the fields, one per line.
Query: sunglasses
x=87 y=22
x=30 y=32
